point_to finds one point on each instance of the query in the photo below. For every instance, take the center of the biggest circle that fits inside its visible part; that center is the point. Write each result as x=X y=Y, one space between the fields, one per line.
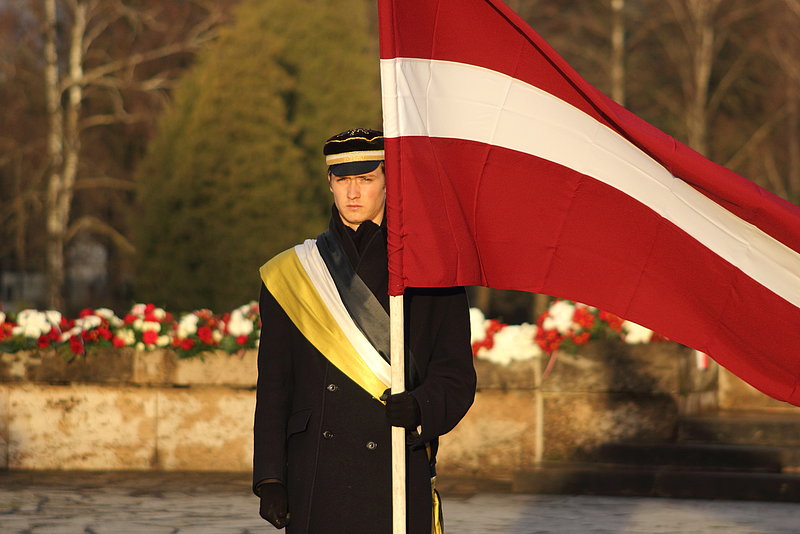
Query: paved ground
x=197 y=503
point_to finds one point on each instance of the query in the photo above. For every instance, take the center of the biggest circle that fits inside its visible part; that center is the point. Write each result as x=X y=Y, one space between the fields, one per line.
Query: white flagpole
x=396 y=330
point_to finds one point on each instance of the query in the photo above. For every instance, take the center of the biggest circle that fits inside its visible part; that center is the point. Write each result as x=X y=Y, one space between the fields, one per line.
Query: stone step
x=742 y=428
x=700 y=456
x=597 y=479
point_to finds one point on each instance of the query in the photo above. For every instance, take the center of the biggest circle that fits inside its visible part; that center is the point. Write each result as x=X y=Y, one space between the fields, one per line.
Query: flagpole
x=396 y=330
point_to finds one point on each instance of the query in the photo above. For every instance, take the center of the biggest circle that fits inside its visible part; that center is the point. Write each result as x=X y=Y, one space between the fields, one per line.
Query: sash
x=361 y=303
x=302 y=285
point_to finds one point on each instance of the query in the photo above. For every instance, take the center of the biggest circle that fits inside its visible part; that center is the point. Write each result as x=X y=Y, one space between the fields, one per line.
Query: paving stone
x=191 y=503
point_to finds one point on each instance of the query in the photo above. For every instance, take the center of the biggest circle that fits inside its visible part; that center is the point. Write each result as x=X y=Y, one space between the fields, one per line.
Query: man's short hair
x=356 y=151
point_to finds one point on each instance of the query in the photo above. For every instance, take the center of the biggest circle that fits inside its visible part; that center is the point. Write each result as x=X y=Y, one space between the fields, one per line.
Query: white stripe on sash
x=317 y=271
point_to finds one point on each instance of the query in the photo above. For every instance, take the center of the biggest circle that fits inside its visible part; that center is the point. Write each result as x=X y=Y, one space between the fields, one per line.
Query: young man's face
x=359 y=197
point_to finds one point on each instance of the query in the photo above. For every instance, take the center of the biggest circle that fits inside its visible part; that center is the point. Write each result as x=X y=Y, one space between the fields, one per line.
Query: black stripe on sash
x=361 y=303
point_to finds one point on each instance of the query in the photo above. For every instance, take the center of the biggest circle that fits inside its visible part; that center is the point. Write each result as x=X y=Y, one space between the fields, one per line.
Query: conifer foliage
x=236 y=174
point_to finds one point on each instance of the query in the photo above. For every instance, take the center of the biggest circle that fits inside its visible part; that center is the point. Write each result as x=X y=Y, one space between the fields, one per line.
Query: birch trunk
x=63 y=141
x=618 y=51
x=55 y=152
x=793 y=134
x=701 y=14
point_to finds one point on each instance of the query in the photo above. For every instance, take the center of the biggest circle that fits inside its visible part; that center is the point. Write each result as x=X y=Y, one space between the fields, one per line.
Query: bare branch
x=95 y=225
x=106 y=182
x=756 y=138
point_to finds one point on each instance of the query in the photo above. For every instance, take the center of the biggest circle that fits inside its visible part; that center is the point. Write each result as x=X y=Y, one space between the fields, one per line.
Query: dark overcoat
x=326 y=438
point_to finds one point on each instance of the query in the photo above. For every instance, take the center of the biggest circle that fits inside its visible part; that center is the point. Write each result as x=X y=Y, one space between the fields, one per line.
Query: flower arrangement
x=145 y=327
x=565 y=326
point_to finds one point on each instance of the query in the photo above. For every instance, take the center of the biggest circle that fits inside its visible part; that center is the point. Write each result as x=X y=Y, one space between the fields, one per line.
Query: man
x=322 y=449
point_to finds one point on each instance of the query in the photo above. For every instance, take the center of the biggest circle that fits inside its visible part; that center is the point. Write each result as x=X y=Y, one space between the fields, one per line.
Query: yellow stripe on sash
x=292 y=288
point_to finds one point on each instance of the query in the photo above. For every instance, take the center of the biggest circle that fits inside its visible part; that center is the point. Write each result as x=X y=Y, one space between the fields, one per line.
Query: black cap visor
x=354 y=167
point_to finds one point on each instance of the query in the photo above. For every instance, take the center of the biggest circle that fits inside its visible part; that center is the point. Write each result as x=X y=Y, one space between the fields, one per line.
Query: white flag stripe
x=315 y=267
x=446 y=99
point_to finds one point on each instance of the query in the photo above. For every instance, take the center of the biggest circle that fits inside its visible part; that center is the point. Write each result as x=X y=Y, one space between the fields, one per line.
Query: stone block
x=515 y=375
x=205 y=429
x=736 y=394
x=80 y=427
x=18 y=366
x=99 y=365
x=614 y=366
x=4 y=414
x=154 y=368
x=495 y=439
x=580 y=422
x=218 y=368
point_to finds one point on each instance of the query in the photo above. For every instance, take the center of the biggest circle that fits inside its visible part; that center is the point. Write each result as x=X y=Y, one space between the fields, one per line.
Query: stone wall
x=123 y=409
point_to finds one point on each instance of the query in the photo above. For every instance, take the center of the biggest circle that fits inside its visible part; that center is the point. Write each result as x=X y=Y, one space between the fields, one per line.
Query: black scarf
x=365 y=247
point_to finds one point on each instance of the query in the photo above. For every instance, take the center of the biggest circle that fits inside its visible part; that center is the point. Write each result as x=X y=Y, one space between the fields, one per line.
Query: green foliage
x=236 y=173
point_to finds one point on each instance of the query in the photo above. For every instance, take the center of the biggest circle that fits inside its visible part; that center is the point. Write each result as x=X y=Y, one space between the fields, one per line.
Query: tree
x=79 y=67
x=236 y=173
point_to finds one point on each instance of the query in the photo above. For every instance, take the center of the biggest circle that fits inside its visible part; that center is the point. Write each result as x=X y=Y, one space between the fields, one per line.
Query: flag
x=506 y=169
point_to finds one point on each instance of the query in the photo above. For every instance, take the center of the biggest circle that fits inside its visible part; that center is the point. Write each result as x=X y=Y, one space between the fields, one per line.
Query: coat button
x=327 y=434
x=332 y=387
x=371 y=445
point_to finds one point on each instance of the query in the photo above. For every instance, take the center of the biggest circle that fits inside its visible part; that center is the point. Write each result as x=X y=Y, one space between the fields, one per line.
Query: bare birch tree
x=70 y=31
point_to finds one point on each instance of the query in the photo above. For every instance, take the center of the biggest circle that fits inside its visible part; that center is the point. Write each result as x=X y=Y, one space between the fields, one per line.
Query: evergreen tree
x=236 y=173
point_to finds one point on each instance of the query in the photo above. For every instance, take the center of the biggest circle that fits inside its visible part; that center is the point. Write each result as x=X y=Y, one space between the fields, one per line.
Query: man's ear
x=330 y=185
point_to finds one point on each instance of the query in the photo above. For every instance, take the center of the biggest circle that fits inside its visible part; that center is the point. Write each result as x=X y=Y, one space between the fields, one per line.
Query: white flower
x=560 y=317
x=88 y=322
x=33 y=323
x=138 y=324
x=127 y=336
x=109 y=316
x=74 y=331
x=53 y=317
x=151 y=326
x=162 y=341
x=512 y=343
x=216 y=335
x=635 y=333
x=238 y=324
x=140 y=346
x=187 y=325
x=2 y=317
x=138 y=309
x=477 y=325
x=159 y=313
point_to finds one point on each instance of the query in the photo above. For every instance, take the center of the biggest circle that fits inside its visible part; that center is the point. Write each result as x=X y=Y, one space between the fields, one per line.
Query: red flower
x=76 y=345
x=105 y=333
x=242 y=340
x=206 y=335
x=150 y=337
x=548 y=340
x=187 y=344
x=581 y=339
x=614 y=321
x=129 y=318
x=583 y=317
x=117 y=342
x=43 y=341
x=86 y=312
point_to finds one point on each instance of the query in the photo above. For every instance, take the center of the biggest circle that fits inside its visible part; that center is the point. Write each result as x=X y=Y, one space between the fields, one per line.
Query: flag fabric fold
x=506 y=169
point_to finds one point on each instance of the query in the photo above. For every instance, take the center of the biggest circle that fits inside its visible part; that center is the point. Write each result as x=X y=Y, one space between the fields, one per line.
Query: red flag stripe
x=477 y=104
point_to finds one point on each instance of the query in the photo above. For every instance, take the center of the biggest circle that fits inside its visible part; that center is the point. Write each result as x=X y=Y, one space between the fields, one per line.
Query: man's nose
x=353 y=190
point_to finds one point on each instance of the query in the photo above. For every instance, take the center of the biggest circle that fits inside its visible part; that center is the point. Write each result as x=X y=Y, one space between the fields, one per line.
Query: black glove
x=402 y=409
x=274 y=504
